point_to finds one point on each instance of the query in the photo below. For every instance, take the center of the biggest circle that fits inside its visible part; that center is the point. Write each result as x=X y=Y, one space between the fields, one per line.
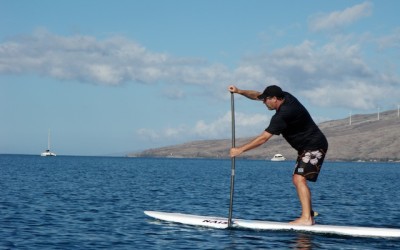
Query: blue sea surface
x=98 y=202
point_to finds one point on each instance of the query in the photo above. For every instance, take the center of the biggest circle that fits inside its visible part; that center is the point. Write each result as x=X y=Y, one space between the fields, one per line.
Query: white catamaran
x=48 y=152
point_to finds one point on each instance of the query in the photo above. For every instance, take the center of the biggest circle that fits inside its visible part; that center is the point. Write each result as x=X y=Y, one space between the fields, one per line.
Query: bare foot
x=303 y=221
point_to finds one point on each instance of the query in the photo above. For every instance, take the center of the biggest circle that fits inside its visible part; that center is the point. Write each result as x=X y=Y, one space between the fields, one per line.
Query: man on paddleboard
x=293 y=121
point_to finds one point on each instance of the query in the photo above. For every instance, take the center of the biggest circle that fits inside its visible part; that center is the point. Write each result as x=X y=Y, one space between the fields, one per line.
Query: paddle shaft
x=233 y=161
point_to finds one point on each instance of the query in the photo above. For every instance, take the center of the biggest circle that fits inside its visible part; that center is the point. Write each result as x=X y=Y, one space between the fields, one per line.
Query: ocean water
x=98 y=202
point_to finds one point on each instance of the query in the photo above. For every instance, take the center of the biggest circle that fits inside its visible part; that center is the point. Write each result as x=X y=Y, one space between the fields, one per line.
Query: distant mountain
x=367 y=138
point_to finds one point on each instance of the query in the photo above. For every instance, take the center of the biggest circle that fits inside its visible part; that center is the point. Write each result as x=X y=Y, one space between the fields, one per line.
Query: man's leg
x=304 y=194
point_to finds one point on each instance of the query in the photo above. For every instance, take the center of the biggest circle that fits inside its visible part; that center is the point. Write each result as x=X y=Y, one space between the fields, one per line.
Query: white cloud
x=104 y=73
x=112 y=61
x=147 y=134
x=246 y=125
x=357 y=95
x=338 y=19
x=332 y=75
x=330 y=69
x=174 y=93
x=390 y=41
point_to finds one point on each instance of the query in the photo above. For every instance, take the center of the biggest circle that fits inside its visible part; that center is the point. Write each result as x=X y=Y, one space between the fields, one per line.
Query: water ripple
x=98 y=203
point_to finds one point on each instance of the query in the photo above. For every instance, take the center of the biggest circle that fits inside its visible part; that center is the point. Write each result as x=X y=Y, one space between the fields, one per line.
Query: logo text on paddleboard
x=215 y=221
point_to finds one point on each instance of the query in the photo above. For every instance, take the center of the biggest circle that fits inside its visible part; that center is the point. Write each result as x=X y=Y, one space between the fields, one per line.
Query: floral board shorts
x=309 y=163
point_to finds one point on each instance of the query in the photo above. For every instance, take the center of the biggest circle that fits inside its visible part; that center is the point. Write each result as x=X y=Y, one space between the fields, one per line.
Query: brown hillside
x=366 y=138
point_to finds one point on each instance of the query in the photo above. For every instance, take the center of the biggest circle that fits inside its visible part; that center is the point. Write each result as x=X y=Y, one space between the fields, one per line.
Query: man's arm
x=251 y=94
x=258 y=141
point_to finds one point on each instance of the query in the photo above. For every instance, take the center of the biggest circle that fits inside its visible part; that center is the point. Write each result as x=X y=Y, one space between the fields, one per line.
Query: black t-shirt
x=293 y=121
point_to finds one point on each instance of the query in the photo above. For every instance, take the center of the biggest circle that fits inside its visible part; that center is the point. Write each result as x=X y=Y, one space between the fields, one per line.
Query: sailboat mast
x=48 y=141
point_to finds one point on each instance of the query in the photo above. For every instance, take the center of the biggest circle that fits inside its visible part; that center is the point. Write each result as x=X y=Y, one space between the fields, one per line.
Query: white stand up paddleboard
x=222 y=223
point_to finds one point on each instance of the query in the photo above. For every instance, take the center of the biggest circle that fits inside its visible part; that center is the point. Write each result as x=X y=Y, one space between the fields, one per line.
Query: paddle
x=233 y=161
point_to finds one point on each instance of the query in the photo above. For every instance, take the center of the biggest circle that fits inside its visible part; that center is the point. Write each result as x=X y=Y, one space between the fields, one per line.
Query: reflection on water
x=304 y=242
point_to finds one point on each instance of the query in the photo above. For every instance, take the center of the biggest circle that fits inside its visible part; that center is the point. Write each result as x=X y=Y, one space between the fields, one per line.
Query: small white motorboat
x=278 y=157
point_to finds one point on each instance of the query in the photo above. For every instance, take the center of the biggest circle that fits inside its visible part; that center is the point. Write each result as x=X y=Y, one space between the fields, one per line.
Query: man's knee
x=298 y=179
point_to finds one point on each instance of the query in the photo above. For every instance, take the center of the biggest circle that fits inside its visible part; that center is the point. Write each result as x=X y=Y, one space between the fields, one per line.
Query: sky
x=111 y=77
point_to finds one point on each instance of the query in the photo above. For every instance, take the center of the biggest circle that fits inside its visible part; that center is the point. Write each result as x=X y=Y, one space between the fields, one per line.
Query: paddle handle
x=233 y=120
x=233 y=161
